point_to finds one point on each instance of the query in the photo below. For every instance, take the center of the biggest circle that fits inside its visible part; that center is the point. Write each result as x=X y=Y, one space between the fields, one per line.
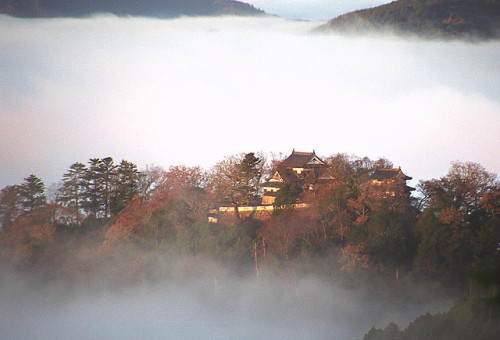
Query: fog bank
x=201 y=307
x=193 y=90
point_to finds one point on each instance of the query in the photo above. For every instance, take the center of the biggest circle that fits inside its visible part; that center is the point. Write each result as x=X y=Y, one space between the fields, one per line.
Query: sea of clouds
x=193 y=90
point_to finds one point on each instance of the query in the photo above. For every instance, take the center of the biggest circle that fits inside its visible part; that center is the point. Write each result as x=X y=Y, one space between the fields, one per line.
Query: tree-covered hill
x=153 y=8
x=431 y=18
x=107 y=225
x=469 y=318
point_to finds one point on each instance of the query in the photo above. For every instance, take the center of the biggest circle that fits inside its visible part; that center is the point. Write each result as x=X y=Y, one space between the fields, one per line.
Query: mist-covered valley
x=203 y=303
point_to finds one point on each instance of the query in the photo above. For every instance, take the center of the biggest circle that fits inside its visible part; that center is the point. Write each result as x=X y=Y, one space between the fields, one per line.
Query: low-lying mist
x=199 y=300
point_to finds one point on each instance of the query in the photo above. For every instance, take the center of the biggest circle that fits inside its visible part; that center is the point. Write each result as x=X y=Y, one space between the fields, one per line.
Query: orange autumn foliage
x=138 y=221
x=353 y=256
x=27 y=237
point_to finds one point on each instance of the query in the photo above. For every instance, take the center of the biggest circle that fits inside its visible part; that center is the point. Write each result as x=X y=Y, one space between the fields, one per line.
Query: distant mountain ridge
x=431 y=18
x=150 y=8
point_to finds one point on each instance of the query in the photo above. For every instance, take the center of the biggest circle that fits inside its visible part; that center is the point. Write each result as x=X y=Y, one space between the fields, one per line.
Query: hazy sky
x=313 y=9
x=191 y=91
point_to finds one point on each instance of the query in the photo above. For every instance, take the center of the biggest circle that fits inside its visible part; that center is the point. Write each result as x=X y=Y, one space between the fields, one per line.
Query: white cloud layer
x=191 y=91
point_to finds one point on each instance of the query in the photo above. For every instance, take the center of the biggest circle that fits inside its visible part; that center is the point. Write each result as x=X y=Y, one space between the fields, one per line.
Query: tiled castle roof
x=301 y=159
x=381 y=174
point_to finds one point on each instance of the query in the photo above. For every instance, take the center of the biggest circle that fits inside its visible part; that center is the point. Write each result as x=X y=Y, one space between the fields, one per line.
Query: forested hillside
x=152 y=8
x=469 y=318
x=431 y=18
x=110 y=224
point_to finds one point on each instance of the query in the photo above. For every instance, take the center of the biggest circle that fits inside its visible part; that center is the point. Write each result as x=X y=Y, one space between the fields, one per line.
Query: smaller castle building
x=390 y=182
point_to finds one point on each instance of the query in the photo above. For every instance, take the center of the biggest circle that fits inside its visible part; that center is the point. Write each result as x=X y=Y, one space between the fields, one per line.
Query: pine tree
x=108 y=170
x=9 y=205
x=32 y=194
x=73 y=188
x=127 y=185
x=93 y=193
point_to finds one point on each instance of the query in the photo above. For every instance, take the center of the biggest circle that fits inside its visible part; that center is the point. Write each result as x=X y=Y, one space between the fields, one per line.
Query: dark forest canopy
x=468 y=19
x=114 y=224
x=152 y=8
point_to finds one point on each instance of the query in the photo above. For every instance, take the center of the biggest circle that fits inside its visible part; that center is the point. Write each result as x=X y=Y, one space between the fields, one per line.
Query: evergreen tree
x=9 y=205
x=32 y=194
x=72 y=190
x=109 y=177
x=93 y=193
x=287 y=195
x=247 y=175
x=127 y=185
